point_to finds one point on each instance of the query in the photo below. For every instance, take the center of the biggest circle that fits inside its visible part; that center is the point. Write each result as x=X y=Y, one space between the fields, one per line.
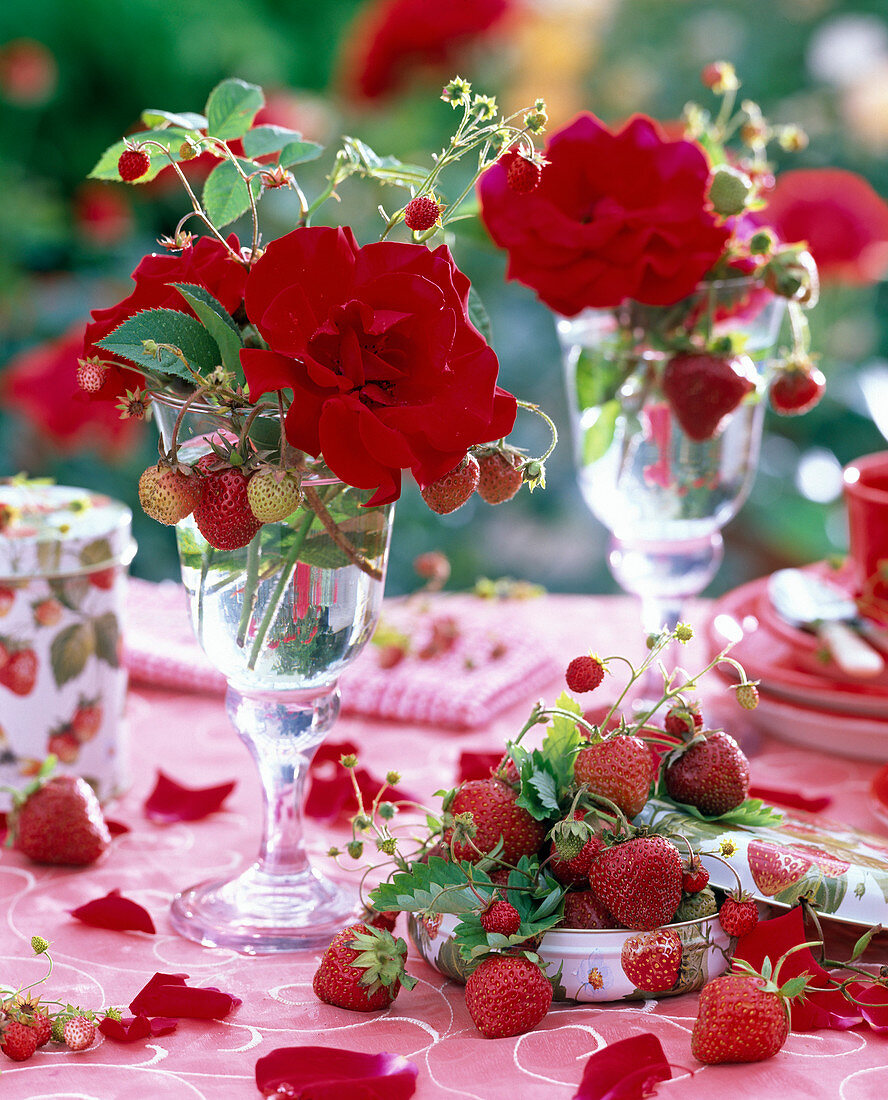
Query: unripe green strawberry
x=273 y=495
x=729 y=190
x=695 y=906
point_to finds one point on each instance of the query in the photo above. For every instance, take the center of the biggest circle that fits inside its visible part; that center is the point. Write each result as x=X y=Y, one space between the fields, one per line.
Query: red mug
x=866 y=498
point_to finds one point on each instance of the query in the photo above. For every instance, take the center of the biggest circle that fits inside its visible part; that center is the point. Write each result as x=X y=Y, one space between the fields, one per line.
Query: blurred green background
x=75 y=76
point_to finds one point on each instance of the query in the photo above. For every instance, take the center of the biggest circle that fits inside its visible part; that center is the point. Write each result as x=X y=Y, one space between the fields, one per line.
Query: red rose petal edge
x=169 y=995
x=115 y=912
x=171 y=801
x=333 y=1074
x=626 y=1070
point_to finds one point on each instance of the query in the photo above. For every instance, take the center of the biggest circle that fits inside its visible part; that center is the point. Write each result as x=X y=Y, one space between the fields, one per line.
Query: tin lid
x=54 y=530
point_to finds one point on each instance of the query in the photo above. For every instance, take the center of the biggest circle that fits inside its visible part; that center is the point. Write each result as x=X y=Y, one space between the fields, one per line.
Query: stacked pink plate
x=804 y=696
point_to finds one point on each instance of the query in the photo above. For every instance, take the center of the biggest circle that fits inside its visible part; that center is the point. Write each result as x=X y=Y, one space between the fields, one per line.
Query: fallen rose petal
x=476 y=765
x=131 y=1028
x=170 y=801
x=327 y=1073
x=163 y=1025
x=626 y=1070
x=822 y=1007
x=168 y=995
x=792 y=800
x=875 y=1007
x=116 y=828
x=331 y=793
x=116 y=912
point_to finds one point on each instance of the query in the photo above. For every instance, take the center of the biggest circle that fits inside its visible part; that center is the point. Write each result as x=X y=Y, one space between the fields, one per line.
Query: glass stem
x=282 y=733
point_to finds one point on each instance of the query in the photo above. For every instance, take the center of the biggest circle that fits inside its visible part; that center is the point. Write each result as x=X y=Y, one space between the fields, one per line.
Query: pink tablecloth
x=430 y=1025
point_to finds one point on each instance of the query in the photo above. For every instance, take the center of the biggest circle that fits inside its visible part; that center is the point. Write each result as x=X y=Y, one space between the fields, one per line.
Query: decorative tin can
x=63 y=559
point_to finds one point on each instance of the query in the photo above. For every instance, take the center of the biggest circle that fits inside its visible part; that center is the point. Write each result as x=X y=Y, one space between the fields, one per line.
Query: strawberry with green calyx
x=585 y=673
x=500 y=473
x=743 y=1016
x=168 y=494
x=639 y=880
x=797 y=386
x=453 y=489
x=483 y=813
x=18 y=1039
x=362 y=969
x=574 y=845
x=738 y=914
x=709 y=771
x=683 y=717
x=620 y=767
x=57 y=820
x=508 y=995
x=694 y=877
x=747 y=694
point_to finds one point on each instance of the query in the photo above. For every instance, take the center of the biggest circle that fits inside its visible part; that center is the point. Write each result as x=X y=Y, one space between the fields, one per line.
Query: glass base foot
x=261 y=914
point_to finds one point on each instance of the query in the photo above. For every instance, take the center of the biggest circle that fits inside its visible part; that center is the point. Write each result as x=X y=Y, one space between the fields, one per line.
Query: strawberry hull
x=603 y=964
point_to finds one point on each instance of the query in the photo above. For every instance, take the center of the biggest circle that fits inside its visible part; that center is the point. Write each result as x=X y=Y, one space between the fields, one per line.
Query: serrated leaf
x=438 y=886
x=225 y=193
x=185 y=120
x=365 y=162
x=231 y=108
x=550 y=904
x=750 y=813
x=478 y=314
x=562 y=740
x=164 y=326
x=217 y=321
x=71 y=648
x=107 y=633
x=262 y=140
x=171 y=139
x=539 y=787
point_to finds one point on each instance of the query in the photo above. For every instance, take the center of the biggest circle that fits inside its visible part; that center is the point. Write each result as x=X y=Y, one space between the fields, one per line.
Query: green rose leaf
x=171 y=139
x=225 y=195
x=478 y=314
x=231 y=108
x=71 y=648
x=599 y=434
x=217 y=321
x=107 y=631
x=164 y=326
x=187 y=120
x=262 y=140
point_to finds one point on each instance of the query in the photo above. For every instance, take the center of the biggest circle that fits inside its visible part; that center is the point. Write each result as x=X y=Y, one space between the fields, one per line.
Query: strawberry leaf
x=164 y=326
x=752 y=812
x=171 y=139
x=438 y=886
x=262 y=140
x=225 y=195
x=539 y=786
x=231 y=108
x=562 y=740
x=187 y=120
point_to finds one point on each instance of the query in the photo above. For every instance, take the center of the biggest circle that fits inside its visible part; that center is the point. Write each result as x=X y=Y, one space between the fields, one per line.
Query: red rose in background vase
x=392 y=39
x=387 y=371
x=207 y=263
x=841 y=217
x=616 y=215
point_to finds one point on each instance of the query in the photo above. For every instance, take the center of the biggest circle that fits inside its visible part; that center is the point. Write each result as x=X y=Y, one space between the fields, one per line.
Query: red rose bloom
x=206 y=263
x=616 y=216
x=843 y=220
x=387 y=371
x=391 y=39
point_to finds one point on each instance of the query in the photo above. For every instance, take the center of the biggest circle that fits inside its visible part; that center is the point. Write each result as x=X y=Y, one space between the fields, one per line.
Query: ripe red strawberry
x=712 y=774
x=168 y=495
x=584 y=673
x=7 y=599
x=376 y=919
x=30 y=1011
x=421 y=213
x=507 y=995
x=59 y=822
x=79 y=1032
x=639 y=880
x=500 y=916
x=87 y=721
x=19 y=673
x=273 y=495
x=500 y=477
x=495 y=814
x=523 y=175
x=681 y=719
x=362 y=969
x=652 y=961
x=132 y=164
x=620 y=768
x=741 y=1018
x=90 y=375
x=584 y=909
x=738 y=915
x=694 y=877
x=18 y=1040
x=453 y=489
x=796 y=388
x=702 y=389
x=47 y=612
x=222 y=513
x=775 y=868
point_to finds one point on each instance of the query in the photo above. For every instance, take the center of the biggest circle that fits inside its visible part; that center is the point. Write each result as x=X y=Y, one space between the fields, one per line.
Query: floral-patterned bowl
x=603 y=965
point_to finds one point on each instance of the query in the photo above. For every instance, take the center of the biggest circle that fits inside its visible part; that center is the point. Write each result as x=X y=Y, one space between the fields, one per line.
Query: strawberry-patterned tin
x=64 y=554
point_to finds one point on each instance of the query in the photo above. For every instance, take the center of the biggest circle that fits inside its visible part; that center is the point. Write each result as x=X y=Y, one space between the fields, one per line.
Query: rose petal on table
x=327 y=1073
x=476 y=765
x=116 y=828
x=116 y=912
x=822 y=1007
x=331 y=794
x=626 y=1070
x=880 y=786
x=132 y=1028
x=170 y=801
x=792 y=800
x=168 y=995
x=875 y=1006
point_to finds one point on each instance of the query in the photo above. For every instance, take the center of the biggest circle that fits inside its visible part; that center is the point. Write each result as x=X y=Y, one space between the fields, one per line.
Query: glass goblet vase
x=281 y=618
x=663 y=494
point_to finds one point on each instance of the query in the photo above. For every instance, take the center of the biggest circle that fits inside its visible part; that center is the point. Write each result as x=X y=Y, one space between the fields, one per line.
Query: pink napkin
x=486 y=670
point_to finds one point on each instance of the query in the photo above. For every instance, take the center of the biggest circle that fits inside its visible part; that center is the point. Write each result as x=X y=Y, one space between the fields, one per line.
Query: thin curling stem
x=549 y=423
x=189 y=401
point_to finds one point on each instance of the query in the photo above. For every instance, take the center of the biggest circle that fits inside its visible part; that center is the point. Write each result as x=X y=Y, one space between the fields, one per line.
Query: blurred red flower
x=616 y=215
x=29 y=73
x=40 y=385
x=207 y=263
x=102 y=213
x=392 y=39
x=844 y=221
x=387 y=371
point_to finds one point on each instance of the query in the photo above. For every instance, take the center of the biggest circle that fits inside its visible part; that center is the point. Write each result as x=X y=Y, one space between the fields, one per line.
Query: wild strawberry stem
x=329 y=524
x=550 y=424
